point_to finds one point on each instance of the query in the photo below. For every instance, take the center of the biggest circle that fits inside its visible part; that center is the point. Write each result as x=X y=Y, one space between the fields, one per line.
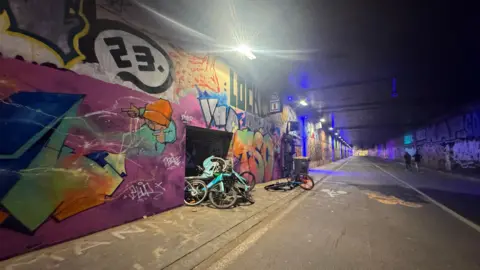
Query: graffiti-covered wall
x=314 y=148
x=320 y=148
x=450 y=144
x=93 y=118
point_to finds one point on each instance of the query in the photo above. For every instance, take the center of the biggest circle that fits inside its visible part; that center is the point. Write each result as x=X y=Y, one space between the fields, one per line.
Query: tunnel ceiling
x=341 y=55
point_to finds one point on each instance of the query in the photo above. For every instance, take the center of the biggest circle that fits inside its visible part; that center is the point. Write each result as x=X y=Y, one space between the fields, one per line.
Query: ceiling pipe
x=351 y=83
x=380 y=126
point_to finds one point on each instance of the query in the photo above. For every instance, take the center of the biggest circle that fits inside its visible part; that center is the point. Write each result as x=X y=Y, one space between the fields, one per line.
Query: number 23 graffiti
x=143 y=54
x=132 y=55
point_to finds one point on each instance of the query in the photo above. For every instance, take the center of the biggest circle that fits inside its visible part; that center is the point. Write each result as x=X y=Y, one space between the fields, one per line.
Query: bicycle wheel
x=195 y=192
x=277 y=186
x=249 y=197
x=222 y=200
x=250 y=178
x=306 y=182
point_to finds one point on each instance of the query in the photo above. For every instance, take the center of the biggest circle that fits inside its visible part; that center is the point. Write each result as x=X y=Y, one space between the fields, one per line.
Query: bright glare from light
x=303 y=102
x=340 y=137
x=330 y=128
x=336 y=133
x=245 y=50
x=322 y=120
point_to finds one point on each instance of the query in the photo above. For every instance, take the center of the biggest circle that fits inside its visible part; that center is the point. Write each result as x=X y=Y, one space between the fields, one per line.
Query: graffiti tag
x=172 y=161
x=467 y=153
x=186 y=118
x=141 y=191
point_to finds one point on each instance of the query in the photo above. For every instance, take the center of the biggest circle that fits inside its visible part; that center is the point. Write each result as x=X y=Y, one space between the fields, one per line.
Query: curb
x=202 y=253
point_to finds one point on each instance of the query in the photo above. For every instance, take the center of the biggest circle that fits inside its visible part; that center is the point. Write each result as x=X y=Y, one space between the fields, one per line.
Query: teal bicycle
x=224 y=186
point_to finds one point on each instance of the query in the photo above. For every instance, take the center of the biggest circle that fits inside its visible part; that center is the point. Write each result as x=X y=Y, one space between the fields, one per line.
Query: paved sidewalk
x=178 y=239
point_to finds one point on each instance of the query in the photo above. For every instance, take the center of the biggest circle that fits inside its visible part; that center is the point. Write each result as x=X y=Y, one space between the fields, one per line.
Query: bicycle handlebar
x=224 y=162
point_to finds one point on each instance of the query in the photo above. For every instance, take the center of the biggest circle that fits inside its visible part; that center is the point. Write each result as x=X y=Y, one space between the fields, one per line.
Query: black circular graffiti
x=131 y=60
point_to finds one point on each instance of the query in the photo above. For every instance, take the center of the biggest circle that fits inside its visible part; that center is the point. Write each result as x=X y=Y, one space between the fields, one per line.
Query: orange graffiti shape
x=3 y=216
x=92 y=193
x=159 y=112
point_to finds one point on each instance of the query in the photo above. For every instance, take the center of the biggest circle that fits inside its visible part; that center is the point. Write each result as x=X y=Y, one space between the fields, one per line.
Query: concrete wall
x=448 y=144
x=93 y=118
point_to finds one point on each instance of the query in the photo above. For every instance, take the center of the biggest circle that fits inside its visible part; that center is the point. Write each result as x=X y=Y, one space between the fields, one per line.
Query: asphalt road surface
x=369 y=215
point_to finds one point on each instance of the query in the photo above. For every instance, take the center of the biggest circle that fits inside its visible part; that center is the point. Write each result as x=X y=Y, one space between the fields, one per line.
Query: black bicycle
x=299 y=177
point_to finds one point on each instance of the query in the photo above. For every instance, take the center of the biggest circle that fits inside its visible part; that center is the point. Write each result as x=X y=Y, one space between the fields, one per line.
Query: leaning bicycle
x=299 y=177
x=229 y=185
x=196 y=189
x=224 y=184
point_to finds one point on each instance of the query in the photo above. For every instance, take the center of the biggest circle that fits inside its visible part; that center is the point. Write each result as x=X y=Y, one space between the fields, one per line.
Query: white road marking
x=335 y=182
x=333 y=193
x=253 y=238
x=443 y=207
x=138 y=267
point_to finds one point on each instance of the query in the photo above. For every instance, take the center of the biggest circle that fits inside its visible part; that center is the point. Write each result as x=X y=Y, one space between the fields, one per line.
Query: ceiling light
x=340 y=137
x=336 y=133
x=303 y=102
x=330 y=128
x=322 y=120
x=245 y=50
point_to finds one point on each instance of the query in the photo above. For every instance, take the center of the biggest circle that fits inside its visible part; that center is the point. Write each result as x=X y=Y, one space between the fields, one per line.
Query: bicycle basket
x=301 y=165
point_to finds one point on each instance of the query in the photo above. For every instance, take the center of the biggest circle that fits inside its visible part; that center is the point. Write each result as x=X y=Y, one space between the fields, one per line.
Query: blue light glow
x=330 y=172
x=394 y=87
x=304 y=136
x=304 y=82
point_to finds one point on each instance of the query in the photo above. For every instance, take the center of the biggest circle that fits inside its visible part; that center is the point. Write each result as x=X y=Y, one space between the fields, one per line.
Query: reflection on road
x=391 y=200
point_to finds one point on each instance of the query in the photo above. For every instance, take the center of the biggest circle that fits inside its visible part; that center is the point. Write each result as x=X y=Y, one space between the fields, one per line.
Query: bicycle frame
x=219 y=180
x=210 y=171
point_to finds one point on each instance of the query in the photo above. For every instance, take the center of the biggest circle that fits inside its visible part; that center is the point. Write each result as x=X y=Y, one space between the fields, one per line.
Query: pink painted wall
x=98 y=126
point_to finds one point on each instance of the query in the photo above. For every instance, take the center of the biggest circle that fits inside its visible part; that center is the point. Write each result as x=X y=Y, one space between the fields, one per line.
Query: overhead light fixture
x=340 y=137
x=330 y=128
x=303 y=102
x=322 y=120
x=336 y=133
x=246 y=51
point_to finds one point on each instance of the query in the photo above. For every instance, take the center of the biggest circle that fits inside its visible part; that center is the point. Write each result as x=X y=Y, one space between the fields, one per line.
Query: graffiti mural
x=217 y=113
x=79 y=154
x=54 y=41
x=192 y=70
x=256 y=141
x=451 y=144
x=131 y=55
x=157 y=130
x=314 y=146
x=37 y=159
x=72 y=150
x=322 y=149
x=326 y=146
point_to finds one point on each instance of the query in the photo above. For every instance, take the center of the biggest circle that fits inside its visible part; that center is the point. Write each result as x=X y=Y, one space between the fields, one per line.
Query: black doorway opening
x=202 y=143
